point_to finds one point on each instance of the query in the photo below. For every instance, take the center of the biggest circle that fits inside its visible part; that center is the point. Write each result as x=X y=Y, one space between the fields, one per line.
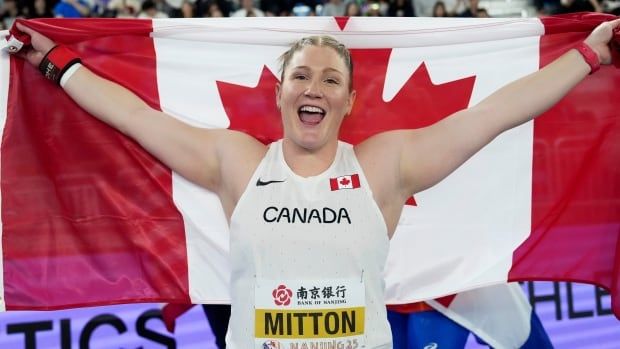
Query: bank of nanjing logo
x=282 y=295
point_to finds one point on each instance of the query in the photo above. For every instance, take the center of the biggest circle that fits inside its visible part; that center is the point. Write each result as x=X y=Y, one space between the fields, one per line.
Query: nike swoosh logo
x=260 y=183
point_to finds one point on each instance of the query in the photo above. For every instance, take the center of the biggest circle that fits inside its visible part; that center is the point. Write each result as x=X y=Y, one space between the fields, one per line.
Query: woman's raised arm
x=418 y=159
x=193 y=152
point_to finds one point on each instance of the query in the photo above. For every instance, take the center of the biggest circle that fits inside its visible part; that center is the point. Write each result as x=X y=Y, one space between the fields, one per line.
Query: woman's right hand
x=40 y=46
x=600 y=38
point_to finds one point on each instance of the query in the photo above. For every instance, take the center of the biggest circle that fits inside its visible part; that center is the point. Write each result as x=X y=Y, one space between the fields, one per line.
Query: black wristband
x=56 y=62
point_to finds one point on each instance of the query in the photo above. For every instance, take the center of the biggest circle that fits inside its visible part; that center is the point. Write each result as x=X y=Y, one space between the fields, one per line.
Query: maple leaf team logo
x=345 y=182
x=282 y=295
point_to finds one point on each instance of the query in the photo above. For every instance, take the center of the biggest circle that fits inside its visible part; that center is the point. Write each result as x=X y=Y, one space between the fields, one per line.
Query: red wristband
x=56 y=62
x=589 y=56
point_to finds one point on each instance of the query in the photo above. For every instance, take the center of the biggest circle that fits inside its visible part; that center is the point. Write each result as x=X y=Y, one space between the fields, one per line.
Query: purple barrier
x=119 y=327
x=576 y=316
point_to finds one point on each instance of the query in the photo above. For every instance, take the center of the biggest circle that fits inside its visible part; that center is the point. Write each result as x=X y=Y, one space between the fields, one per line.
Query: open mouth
x=310 y=115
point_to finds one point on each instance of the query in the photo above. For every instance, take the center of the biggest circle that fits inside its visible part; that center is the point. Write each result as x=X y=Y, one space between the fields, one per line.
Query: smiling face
x=314 y=96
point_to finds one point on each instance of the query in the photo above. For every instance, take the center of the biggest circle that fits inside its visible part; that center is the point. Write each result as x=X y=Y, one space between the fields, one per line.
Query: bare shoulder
x=237 y=143
x=381 y=150
x=379 y=157
x=240 y=154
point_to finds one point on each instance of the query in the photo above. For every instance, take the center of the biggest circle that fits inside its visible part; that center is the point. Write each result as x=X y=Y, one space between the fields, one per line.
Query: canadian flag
x=345 y=182
x=89 y=218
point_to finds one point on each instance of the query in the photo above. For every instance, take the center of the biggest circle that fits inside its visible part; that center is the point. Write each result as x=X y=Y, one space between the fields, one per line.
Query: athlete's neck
x=308 y=162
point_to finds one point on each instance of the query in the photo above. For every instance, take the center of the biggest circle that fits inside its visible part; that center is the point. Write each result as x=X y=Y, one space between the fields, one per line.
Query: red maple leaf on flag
x=419 y=102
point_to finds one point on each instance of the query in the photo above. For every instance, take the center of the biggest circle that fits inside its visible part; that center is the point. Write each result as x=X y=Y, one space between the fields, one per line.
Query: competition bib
x=304 y=314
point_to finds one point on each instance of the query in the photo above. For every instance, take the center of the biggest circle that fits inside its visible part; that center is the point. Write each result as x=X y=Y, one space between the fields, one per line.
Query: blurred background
x=12 y=9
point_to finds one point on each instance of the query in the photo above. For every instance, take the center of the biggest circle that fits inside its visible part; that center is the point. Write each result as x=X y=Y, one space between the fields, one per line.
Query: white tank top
x=307 y=259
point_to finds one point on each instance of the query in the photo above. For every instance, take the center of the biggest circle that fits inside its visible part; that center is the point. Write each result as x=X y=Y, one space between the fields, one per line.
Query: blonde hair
x=321 y=41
